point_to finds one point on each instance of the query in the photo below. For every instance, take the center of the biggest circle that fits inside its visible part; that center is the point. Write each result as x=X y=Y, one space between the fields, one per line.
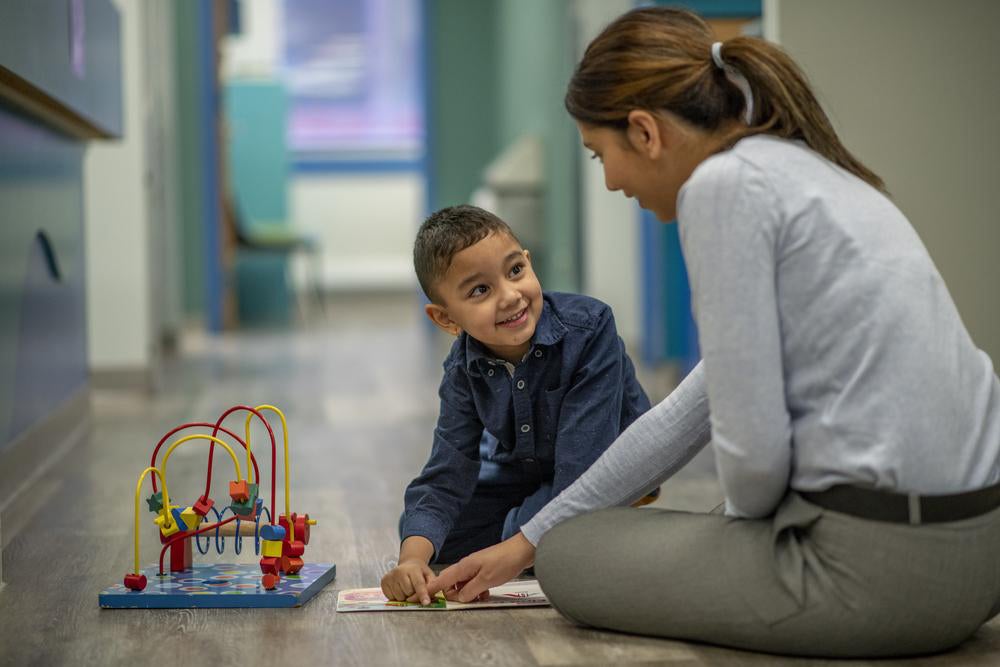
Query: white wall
x=912 y=88
x=366 y=224
x=119 y=319
x=610 y=222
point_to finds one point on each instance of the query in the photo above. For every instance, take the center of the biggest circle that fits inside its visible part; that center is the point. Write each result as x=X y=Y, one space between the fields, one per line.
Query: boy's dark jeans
x=484 y=521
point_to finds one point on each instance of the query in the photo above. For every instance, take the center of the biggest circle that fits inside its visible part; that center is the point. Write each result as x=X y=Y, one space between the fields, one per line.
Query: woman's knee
x=562 y=565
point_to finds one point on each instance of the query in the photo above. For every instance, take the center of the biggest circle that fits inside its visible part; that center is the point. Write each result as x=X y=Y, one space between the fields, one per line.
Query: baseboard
x=25 y=461
x=139 y=378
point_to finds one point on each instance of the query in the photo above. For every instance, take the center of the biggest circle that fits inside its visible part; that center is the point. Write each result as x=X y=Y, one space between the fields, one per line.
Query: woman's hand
x=471 y=577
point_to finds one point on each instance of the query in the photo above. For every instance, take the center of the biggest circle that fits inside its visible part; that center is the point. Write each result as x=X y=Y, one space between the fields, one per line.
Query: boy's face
x=491 y=293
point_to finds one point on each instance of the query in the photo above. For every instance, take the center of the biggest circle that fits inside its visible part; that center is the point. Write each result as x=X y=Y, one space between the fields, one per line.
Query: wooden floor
x=360 y=395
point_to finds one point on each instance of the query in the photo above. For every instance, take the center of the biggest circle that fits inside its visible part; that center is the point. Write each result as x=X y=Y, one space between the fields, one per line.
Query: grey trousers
x=806 y=581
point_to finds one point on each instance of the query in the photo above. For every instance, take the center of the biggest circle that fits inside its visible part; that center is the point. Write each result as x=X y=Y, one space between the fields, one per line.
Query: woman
x=855 y=425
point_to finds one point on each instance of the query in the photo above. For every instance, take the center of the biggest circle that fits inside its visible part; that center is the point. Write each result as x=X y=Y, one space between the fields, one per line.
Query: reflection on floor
x=359 y=392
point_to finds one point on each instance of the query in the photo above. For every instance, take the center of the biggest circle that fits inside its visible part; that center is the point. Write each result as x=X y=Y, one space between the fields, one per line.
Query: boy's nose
x=509 y=296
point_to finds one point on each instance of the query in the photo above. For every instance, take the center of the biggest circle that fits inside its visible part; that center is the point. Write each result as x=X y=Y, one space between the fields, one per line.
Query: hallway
x=359 y=393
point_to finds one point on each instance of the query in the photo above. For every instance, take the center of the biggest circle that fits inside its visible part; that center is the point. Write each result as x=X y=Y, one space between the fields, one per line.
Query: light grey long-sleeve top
x=832 y=351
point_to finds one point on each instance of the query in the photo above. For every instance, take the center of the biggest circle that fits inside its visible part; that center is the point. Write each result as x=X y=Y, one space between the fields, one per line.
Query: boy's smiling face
x=490 y=292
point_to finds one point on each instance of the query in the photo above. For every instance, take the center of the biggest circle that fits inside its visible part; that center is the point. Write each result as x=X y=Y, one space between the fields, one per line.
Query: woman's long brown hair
x=661 y=58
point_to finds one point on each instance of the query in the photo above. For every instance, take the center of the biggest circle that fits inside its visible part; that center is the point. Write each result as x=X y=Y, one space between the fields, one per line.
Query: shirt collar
x=549 y=331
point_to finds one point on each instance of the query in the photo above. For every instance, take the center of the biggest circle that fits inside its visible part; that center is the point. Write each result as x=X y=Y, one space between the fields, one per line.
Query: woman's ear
x=644 y=133
x=439 y=316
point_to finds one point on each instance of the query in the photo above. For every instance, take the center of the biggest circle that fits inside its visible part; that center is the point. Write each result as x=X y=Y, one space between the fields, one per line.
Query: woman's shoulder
x=766 y=168
x=750 y=157
x=748 y=169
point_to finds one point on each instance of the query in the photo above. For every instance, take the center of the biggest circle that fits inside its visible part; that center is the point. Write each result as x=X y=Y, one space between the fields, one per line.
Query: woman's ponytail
x=662 y=58
x=785 y=105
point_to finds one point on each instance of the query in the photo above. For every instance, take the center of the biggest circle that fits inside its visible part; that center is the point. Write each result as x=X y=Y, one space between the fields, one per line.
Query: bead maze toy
x=283 y=578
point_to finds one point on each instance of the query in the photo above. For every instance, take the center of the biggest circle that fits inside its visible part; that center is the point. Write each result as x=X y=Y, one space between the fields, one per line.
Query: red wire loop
x=232 y=435
x=274 y=451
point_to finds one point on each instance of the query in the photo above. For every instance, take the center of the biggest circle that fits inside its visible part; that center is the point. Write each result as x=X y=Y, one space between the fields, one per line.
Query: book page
x=525 y=593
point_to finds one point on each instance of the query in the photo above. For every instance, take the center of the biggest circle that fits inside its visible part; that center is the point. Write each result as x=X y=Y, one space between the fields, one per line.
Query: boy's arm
x=435 y=498
x=417 y=549
x=590 y=416
x=591 y=411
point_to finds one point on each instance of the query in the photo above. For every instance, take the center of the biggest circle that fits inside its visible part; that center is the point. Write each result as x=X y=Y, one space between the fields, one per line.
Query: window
x=355 y=79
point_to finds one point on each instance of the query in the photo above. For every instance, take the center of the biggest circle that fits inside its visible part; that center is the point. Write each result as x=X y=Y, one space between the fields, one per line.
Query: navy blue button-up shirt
x=562 y=406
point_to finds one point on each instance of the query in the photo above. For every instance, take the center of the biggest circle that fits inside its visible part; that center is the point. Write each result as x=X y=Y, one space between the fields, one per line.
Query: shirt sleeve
x=651 y=450
x=590 y=411
x=435 y=498
x=729 y=227
x=529 y=507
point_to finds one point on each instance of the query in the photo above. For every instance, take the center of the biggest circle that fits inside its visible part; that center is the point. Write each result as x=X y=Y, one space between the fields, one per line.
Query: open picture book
x=512 y=594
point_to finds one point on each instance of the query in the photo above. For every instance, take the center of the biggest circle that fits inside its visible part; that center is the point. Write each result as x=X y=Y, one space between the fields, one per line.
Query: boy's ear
x=527 y=255
x=439 y=316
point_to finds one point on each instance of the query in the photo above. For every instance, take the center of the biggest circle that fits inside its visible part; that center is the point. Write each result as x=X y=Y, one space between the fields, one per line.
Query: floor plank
x=359 y=393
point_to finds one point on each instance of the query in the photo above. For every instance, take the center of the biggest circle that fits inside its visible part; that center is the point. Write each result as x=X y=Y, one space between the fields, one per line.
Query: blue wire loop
x=220 y=540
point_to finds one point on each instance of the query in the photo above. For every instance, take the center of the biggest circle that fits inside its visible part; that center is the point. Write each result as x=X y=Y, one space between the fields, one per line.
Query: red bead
x=301 y=524
x=293 y=549
x=270 y=581
x=269 y=565
x=203 y=505
x=293 y=565
x=136 y=582
x=302 y=528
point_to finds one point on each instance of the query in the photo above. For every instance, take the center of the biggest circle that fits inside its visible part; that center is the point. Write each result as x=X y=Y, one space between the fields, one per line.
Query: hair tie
x=737 y=79
x=717 y=55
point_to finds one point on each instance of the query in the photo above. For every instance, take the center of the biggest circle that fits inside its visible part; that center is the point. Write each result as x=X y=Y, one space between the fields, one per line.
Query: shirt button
x=490 y=372
x=529 y=460
x=538 y=353
x=525 y=428
x=520 y=384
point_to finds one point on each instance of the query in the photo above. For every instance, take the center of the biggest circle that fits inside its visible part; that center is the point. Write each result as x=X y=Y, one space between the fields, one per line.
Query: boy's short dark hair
x=447 y=232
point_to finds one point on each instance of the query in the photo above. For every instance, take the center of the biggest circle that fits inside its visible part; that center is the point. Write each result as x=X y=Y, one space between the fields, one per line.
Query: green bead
x=155 y=502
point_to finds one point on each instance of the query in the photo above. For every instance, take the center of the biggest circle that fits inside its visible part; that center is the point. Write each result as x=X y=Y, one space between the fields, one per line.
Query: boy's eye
x=517 y=269
x=478 y=290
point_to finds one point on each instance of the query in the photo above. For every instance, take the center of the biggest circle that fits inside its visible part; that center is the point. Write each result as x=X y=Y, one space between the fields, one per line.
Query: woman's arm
x=651 y=450
x=654 y=447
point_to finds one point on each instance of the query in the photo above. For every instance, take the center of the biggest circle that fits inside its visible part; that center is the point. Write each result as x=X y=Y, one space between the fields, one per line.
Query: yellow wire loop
x=203 y=436
x=166 y=506
x=284 y=433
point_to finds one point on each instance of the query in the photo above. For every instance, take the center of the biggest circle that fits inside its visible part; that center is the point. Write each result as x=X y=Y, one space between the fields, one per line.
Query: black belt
x=877 y=505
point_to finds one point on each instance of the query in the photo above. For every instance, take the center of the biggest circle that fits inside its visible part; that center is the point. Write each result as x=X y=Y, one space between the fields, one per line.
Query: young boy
x=535 y=388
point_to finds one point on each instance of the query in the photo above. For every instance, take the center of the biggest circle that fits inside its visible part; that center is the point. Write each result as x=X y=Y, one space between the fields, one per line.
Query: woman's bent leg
x=804 y=582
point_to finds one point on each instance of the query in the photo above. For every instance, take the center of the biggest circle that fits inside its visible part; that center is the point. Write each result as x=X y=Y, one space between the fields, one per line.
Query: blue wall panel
x=43 y=354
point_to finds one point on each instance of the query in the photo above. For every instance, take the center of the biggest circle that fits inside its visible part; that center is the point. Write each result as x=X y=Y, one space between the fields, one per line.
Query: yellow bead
x=160 y=521
x=191 y=518
x=271 y=548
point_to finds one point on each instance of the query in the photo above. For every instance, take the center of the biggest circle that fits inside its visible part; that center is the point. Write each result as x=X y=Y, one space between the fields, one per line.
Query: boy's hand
x=471 y=577
x=408 y=581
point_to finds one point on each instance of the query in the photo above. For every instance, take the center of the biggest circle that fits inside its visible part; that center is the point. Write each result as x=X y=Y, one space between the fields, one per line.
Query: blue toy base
x=215 y=585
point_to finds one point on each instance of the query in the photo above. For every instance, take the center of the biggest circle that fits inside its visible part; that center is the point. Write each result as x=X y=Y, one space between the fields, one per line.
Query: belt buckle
x=914 y=507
